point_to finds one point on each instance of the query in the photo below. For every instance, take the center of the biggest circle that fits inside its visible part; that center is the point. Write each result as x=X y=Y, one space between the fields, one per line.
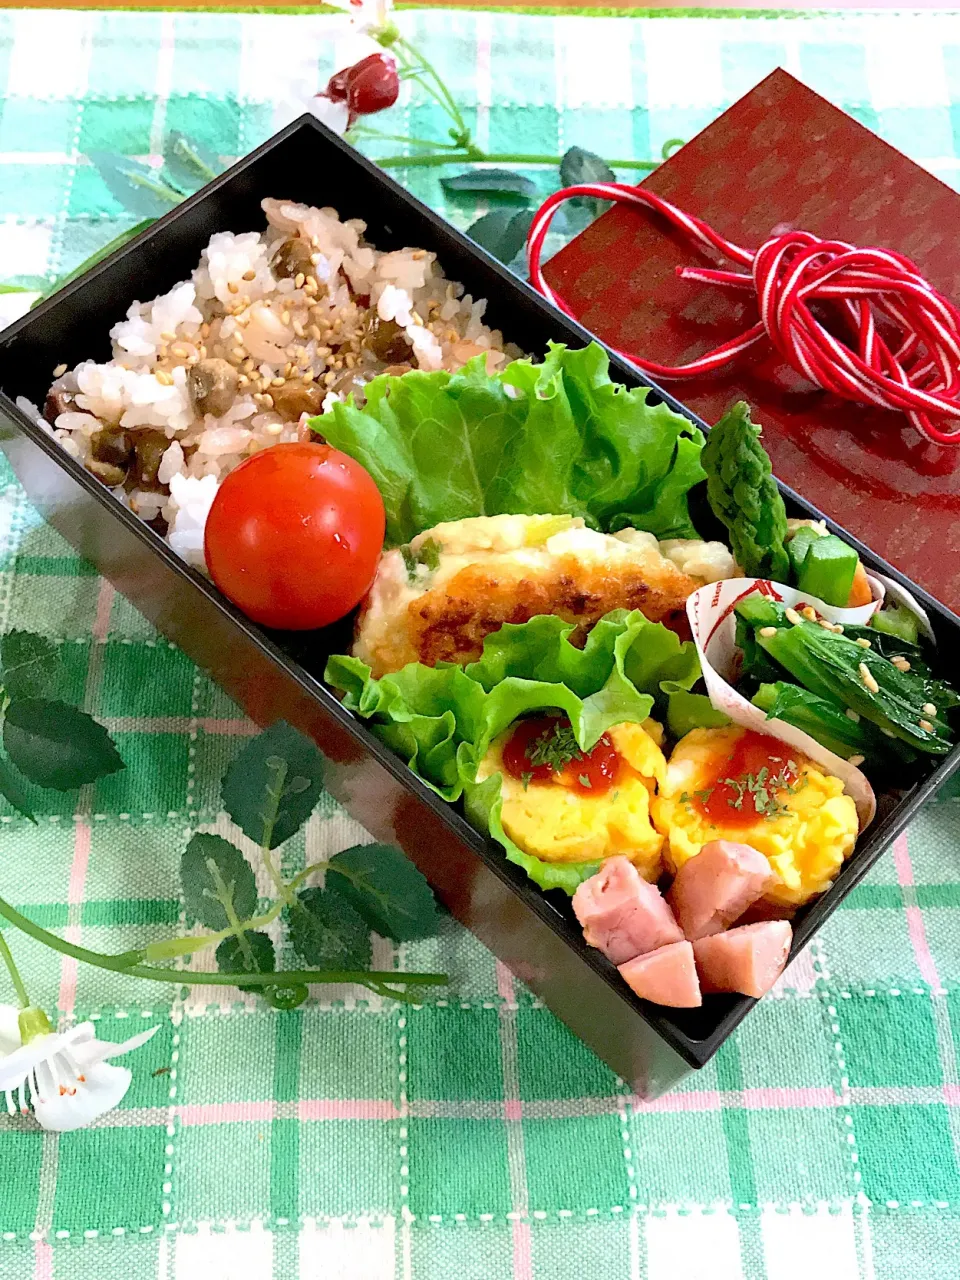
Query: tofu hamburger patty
x=438 y=598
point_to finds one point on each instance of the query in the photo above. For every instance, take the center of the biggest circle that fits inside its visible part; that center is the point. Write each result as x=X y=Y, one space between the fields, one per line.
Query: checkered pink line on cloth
x=915 y=926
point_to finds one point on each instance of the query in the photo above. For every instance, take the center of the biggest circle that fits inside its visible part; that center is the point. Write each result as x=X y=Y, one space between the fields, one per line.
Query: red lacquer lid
x=783 y=157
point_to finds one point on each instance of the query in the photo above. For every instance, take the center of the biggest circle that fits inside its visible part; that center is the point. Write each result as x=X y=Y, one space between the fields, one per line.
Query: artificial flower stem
x=297 y=977
x=452 y=108
x=14 y=972
x=281 y=886
x=169 y=948
x=274 y=796
x=237 y=927
x=431 y=92
x=483 y=157
x=412 y=71
x=365 y=132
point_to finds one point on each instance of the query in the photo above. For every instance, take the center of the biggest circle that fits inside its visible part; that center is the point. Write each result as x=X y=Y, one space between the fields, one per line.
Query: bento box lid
x=784 y=158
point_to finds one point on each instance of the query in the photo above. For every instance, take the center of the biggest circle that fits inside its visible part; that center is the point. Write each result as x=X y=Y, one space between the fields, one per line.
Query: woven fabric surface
x=473 y=1137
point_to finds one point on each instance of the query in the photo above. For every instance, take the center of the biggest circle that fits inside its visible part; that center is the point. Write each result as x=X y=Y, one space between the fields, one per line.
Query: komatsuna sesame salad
x=674 y=715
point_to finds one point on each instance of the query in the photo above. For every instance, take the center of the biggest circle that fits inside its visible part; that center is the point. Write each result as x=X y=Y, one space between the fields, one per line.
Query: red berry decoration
x=336 y=89
x=370 y=85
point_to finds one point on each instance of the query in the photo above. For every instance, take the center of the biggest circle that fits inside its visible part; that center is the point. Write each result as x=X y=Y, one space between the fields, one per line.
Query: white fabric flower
x=367 y=23
x=64 y=1079
x=365 y=15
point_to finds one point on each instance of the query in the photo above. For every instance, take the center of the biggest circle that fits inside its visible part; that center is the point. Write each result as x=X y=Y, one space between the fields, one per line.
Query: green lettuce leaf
x=636 y=462
x=442 y=720
x=686 y=710
x=421 y=713
x=546 y=438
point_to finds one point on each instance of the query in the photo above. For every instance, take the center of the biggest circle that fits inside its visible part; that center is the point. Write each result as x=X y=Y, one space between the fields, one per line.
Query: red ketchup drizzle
x=752 y=752
x=599 y=769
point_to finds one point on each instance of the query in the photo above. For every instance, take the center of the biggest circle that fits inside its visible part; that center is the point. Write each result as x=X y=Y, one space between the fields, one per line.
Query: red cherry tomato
x=294 y=536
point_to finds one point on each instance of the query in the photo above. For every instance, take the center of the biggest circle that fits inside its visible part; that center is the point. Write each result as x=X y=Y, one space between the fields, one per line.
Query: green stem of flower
x=364 y=131
x=274 y=796
x=7 y=956
x=433 y=162
x=447 y=97
x=237 y=927
x=296 y=977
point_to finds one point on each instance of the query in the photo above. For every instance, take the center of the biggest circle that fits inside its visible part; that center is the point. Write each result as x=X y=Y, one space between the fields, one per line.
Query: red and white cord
x=913 y=366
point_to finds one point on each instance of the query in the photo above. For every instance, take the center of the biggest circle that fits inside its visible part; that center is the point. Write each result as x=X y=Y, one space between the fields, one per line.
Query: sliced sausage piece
x=712 y=890
x=749 y=959
x=666 y=976
x=621 y=914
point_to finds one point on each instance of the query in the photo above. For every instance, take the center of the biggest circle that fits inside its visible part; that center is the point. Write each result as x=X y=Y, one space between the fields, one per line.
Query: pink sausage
x=622 y=915
x=749 y=959
x=715 y=888
x=667 y=976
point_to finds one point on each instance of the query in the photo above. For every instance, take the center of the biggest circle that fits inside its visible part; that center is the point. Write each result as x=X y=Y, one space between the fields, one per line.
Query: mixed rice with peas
x=269 y=331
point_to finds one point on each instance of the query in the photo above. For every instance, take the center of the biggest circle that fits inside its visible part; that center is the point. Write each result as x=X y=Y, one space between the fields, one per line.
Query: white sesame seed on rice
x=300 y=301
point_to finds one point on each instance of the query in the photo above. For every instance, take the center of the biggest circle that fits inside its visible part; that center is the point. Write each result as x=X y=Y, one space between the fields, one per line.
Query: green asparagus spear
x=898 y=622
x=743 y=495
x=827 y=570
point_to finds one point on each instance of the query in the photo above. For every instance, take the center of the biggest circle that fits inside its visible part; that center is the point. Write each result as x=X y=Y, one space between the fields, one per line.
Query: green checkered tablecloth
x=475 y=1137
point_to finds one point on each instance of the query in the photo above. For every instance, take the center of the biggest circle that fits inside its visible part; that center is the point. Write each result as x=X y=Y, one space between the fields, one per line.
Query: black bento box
x=279 y=677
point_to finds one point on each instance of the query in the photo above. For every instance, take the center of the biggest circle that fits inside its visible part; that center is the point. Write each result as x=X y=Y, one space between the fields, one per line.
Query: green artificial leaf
x=97 y=256
x=579 y=166
x=12 y=787
x=254 y=955
x=188 y=165
x=270 y=789
x=135 y=185
x=326 y=932
x=28 y=662
x=386 y=889
x=215 y=877
x=491 y=182
x=56 y=745
x=534 y=439
x=502 y=233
